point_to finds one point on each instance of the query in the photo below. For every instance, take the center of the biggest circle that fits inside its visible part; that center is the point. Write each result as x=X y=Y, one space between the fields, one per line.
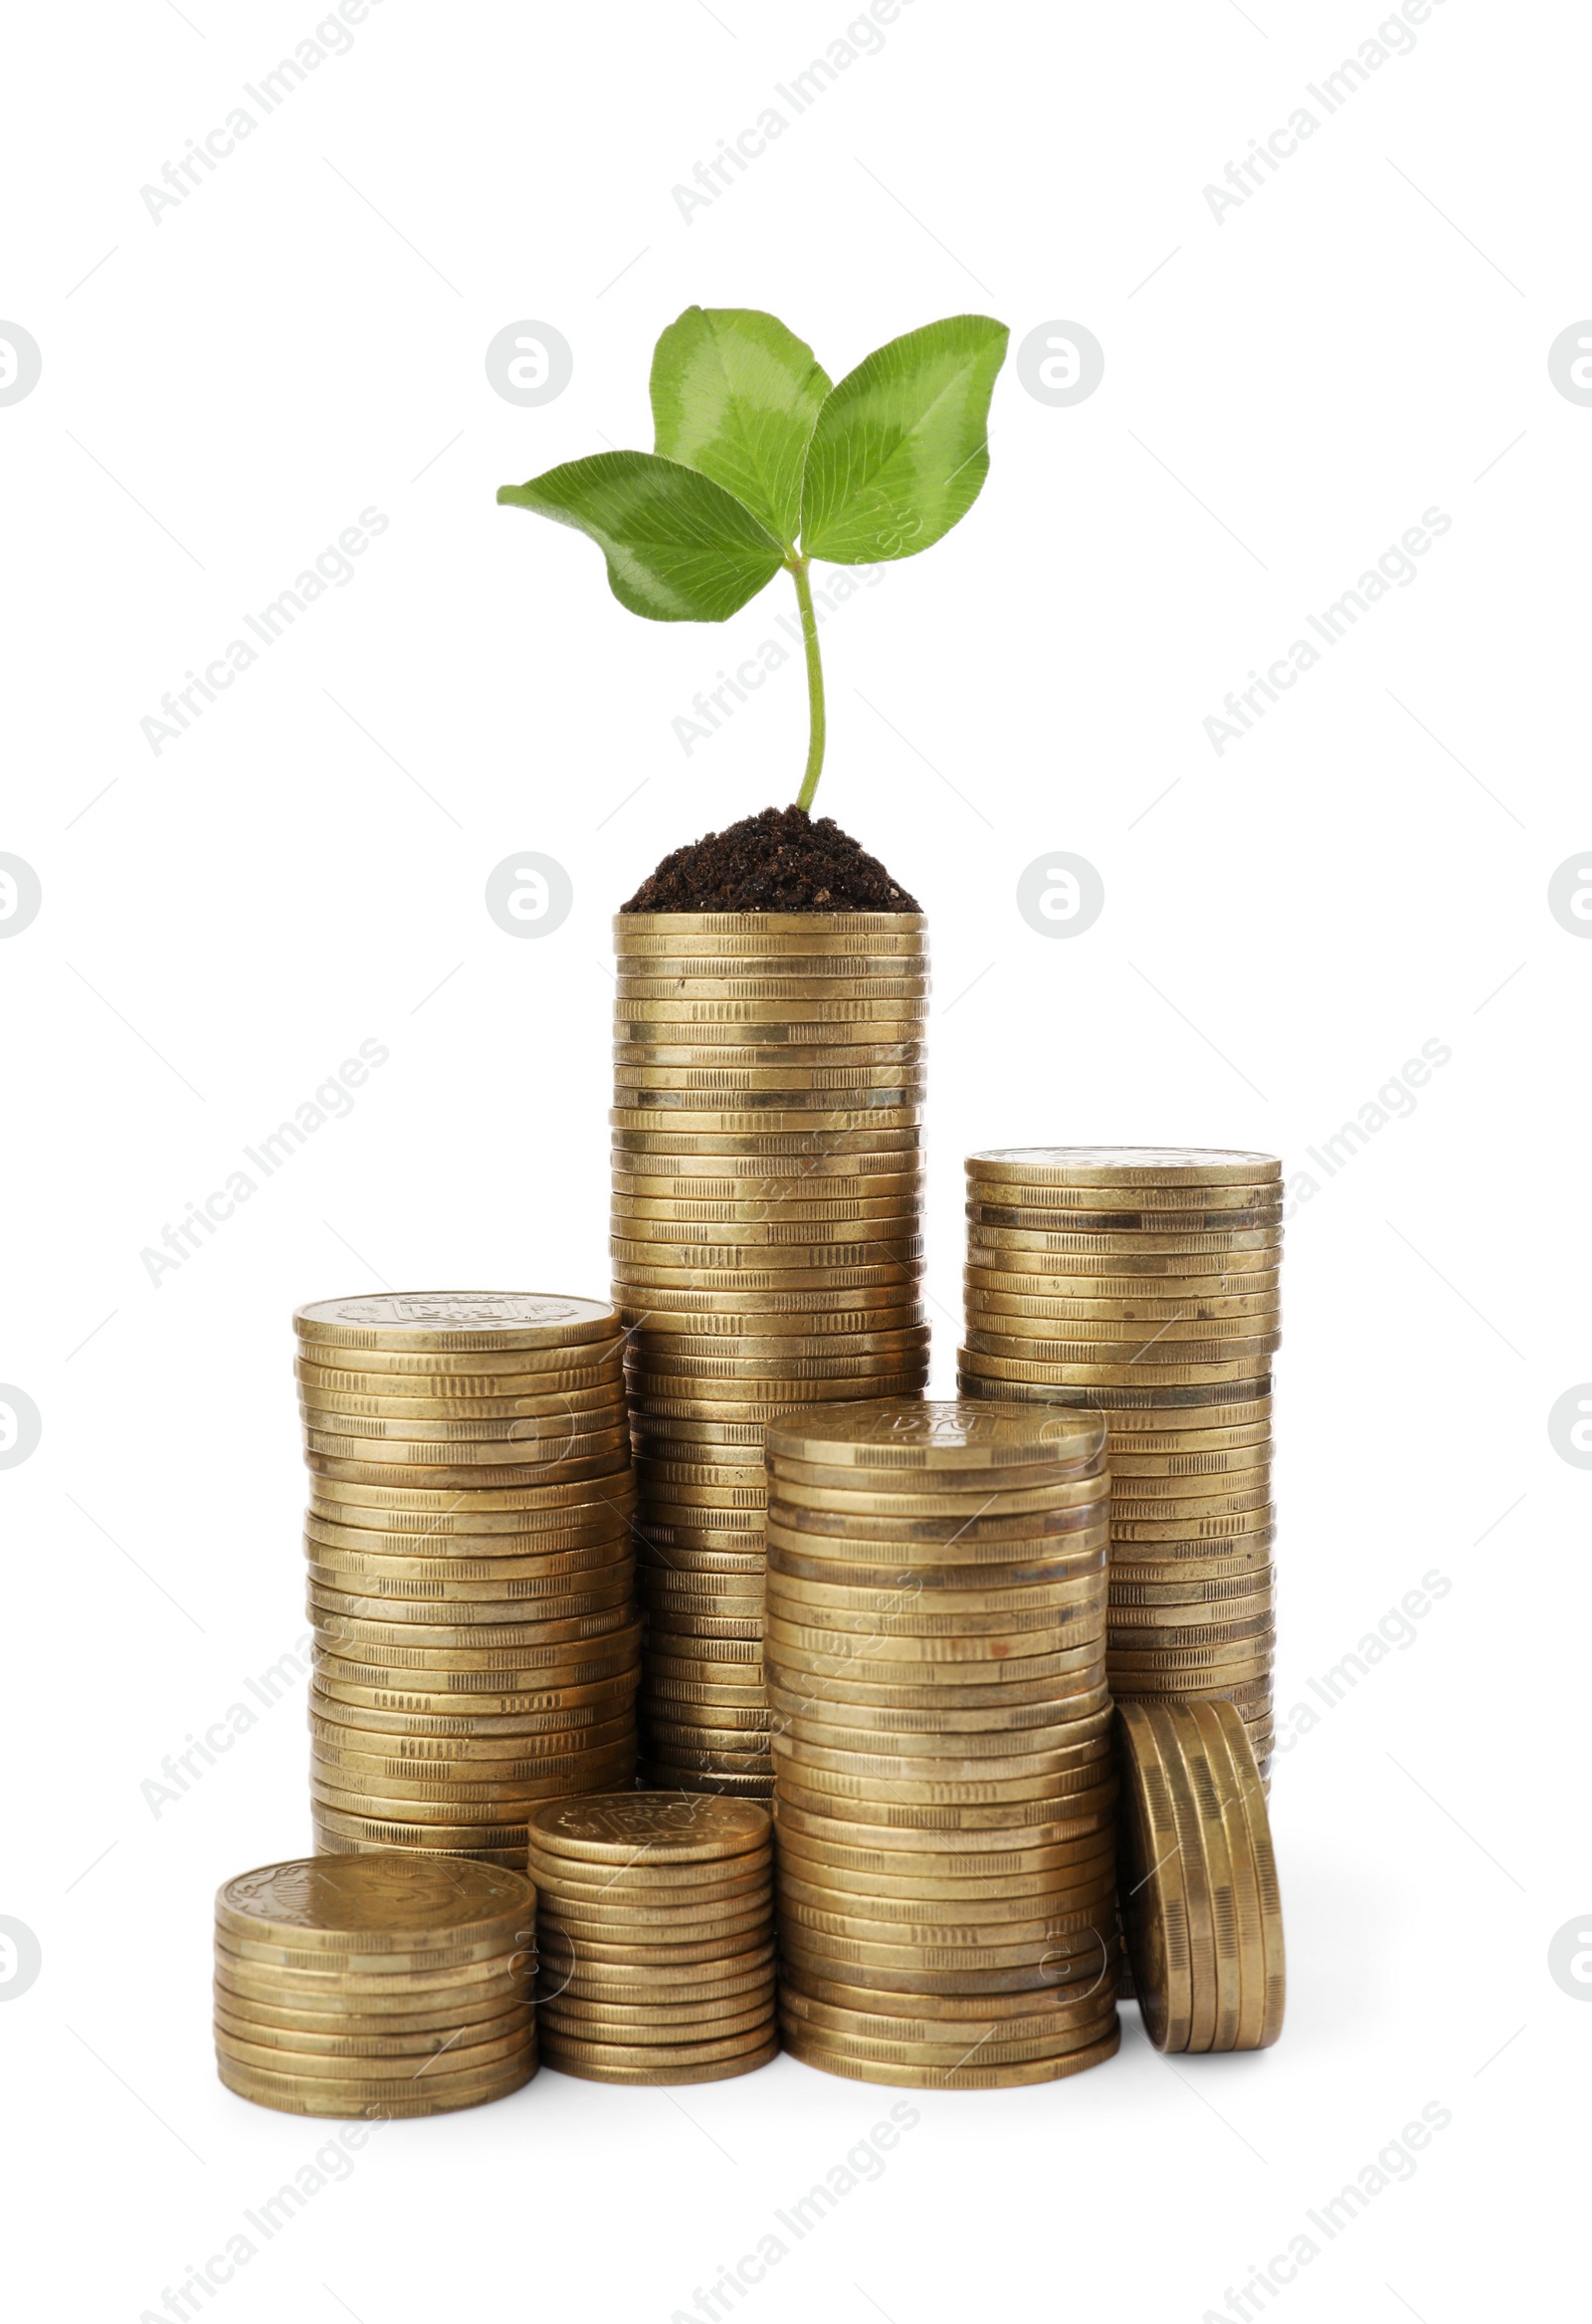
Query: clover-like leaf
x=678 y=546
x=900 y=450
x=735 y=396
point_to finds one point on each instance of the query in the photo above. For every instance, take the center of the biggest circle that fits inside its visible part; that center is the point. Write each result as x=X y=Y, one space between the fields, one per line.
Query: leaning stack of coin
x=471 y=1565
x=1143 y=1282
x=379 y=1984
x=944 y=1798
x=766 y=1247
x=656 y=1913
x=1203 y=1911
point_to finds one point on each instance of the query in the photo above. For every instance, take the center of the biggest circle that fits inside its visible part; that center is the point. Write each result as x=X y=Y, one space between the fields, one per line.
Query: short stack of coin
x=471 y=1565
x=768 y=1253
x=1143 y=1282
x=380 y=1985
x=1201 y=1903
x=656 y=1914
x=944 y=1800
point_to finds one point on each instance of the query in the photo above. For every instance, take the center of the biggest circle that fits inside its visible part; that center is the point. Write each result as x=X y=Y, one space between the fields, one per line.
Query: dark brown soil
x=778 y=861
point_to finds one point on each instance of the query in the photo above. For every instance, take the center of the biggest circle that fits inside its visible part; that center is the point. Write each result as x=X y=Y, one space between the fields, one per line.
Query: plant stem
x=815 y=683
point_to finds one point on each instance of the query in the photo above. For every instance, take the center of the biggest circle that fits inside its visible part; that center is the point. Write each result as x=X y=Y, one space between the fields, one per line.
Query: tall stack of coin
x=375 y=1984
x=944 y=1796
x=766 y=1213
x=471 y=1567
x=1143 y=1282
x=657 y=1929
x=1203 y=1911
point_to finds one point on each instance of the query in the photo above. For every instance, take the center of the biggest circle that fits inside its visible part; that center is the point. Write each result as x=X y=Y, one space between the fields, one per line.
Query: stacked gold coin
x=657 y=1931
x=766 y=1213
x=944 y=1797
x=1142 y=1283
x=471 y=1567
x=1201 y=1903
x=379 y=1985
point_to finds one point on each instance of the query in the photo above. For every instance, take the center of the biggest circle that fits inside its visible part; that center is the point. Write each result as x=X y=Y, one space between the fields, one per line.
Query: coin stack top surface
x=384 y=1984
x=471 y=1565
x=944 y=1796
x=768 y=1253
x=1143 y=1282
x=656 y=1919
x=1203 y=1911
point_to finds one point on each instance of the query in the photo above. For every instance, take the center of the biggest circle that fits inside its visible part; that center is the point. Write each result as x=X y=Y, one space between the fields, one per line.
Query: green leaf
x=735 y=396
x=900 y=452
x=678 y=546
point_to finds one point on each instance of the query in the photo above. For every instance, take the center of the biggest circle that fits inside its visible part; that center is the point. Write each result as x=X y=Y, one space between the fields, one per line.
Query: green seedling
x=760 y=462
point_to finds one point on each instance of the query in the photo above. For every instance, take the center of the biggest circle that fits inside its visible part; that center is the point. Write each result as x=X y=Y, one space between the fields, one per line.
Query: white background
x=1286 y=391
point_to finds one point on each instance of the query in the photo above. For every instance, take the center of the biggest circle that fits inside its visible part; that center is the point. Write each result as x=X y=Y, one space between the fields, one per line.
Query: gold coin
x=1051 y=1320
x=1119 y=1244
x=308 y=2035
x=1156 y=1226
x=341 y=2102
x=378 y=1905
x=976 y=1849
x=544 y=1371
x=1220 y=1722
x=786 y=978
x=1142 y=1201
x=660 y=2053
x=1149 y=1350
x=310 y=2022
x=657 y=2077
x=383 y=1831
x=286 y=1977
x=484 y=1417
x=455 y=1322
x=1065 y=1818
x=376 y=1574
x=367 y=1773
x=422 y=1506
x=732 y=1400
x=788 y=1121
x=834 y=1083
x=712 y=1178
x=612 y=1829
x=1124 y=1165
x=839 y=958
x=482 y=2057
x=443 y=1397
x=459 y=1694
x=822 y=1258
x=378 y=1464
x=1107 y=1376
x=1186 y=1470
x=1202 y=1590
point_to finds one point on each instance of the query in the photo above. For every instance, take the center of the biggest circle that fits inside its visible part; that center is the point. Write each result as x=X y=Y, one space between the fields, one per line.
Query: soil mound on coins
x=778 y=861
